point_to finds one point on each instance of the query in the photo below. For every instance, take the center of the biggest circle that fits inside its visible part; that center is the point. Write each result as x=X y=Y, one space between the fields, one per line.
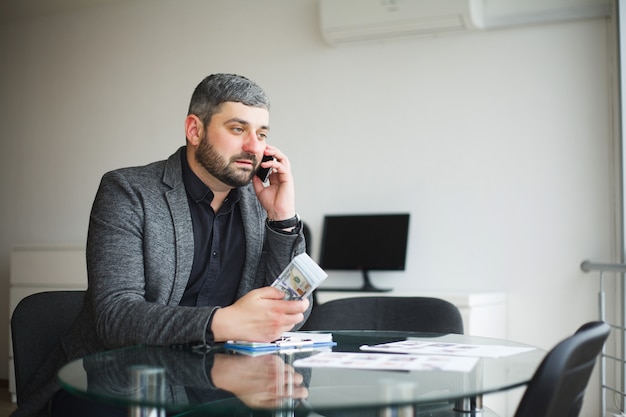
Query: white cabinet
x=43 y=268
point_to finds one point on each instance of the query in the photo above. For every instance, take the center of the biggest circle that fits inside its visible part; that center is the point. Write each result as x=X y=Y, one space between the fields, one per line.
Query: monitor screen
x=366 y=242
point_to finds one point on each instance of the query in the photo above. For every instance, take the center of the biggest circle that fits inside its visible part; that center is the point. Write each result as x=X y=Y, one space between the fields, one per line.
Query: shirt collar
x=198 y=190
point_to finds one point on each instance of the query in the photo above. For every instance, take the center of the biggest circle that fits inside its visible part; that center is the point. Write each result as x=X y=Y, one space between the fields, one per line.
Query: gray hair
x=219 y=88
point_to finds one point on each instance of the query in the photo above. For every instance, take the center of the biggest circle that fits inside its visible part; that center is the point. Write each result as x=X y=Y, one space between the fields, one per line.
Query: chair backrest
x=308 y=240
x=422 y=314
x=558 y=386
x=37 y=325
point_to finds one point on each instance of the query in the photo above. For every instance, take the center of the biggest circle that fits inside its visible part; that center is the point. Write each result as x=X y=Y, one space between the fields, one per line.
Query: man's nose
x=253 y=144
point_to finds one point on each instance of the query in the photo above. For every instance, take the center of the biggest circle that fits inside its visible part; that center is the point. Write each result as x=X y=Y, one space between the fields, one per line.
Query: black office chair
x=558 y=385
x=422 y=314
x=37 y=325
x=308 y=241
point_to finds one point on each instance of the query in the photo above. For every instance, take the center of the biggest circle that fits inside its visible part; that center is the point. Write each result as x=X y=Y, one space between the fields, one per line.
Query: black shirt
x=219 y=245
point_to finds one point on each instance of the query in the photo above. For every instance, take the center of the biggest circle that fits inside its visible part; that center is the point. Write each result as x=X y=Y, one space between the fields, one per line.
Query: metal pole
x=623 y=329
x=602 y=315
x=619 y=380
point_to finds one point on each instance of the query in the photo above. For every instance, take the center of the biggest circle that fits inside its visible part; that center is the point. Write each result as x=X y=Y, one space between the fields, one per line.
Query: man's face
x=233 y=144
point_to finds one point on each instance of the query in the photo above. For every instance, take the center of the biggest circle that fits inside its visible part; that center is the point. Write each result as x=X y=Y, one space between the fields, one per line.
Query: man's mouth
x=245 y=163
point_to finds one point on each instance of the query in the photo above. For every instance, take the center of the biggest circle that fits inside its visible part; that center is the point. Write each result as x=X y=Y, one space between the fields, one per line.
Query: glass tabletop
x=454 y=366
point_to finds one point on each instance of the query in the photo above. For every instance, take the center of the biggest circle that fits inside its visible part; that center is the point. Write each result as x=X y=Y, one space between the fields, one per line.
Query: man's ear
x=194 y=129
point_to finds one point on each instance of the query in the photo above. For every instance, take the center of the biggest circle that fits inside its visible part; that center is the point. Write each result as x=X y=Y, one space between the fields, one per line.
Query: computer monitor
x=364 y=242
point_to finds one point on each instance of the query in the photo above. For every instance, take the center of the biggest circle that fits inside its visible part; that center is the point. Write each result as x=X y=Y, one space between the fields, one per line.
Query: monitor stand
x=366 y=287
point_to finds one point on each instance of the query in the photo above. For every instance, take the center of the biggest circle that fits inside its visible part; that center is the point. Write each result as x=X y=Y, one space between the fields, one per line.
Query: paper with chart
x=387 y=361
x=421 y=347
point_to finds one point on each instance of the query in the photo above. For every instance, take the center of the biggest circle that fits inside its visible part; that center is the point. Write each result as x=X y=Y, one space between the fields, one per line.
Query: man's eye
x=263 y=136
x=237 y=129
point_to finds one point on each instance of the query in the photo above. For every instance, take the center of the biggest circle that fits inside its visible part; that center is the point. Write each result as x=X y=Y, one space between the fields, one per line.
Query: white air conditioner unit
x=493 y=14
x=344 y=21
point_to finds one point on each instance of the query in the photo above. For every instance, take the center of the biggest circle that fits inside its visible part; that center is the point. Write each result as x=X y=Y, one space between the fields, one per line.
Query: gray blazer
x=139 y=257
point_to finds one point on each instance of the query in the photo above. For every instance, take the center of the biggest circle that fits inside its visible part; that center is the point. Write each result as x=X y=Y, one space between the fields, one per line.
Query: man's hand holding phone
x=278 y=194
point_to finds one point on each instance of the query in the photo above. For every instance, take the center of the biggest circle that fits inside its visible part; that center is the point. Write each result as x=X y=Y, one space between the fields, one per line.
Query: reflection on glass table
x=218 y=380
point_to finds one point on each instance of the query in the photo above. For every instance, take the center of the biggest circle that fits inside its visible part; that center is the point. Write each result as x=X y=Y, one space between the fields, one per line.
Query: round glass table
x=440 y=371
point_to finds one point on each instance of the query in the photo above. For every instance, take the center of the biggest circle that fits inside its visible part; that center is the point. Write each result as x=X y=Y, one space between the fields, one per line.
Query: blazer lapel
x=183 y=227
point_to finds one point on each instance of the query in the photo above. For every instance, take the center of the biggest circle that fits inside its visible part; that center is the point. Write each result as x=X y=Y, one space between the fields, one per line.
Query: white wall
x=499 y=143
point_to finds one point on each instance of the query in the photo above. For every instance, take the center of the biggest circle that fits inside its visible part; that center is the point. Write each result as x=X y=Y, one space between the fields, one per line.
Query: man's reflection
x=217 y=380
x=259 y=382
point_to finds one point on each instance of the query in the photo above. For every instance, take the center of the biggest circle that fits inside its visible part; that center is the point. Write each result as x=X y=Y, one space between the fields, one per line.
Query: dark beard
x=221 y=169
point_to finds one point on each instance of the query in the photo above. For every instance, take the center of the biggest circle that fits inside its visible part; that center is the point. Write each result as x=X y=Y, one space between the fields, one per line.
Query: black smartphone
x=264 y=173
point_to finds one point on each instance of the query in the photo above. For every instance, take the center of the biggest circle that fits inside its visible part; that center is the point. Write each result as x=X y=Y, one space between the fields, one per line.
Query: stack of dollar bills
x=300 y=278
